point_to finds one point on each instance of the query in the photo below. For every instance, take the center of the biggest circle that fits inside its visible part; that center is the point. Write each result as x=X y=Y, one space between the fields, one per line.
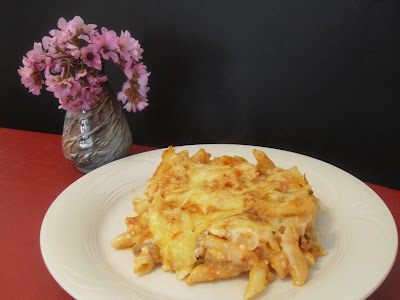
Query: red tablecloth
x=33 y=172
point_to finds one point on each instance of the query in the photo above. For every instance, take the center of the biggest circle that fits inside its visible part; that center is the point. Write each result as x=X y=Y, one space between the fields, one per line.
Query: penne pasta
x=124 y=240
x=208 y=219
x=144 y=263
x=259 y=277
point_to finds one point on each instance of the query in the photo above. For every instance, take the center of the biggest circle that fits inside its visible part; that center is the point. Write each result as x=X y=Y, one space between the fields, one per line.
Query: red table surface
x=33 y=172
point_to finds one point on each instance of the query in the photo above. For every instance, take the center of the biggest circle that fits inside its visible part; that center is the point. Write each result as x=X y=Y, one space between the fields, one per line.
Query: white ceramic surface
x=354 y=225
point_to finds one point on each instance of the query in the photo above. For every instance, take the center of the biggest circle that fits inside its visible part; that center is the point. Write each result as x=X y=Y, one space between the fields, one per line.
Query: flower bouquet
x=70 y=62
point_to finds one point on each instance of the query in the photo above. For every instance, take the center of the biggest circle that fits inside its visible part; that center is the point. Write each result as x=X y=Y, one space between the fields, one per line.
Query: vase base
x=85 y=170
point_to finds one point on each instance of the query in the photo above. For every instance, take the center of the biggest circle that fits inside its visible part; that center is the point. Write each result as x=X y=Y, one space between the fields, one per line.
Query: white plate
x=354 y=225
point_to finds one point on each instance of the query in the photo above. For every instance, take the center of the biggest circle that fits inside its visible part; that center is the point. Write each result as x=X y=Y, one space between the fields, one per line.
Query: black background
x=319 y=78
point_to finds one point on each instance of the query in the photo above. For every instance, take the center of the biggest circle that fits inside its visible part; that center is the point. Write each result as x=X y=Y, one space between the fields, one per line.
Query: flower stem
x=69 y=69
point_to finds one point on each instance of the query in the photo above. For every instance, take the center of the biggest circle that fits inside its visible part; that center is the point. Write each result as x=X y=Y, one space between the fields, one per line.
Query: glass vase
x=98 y=135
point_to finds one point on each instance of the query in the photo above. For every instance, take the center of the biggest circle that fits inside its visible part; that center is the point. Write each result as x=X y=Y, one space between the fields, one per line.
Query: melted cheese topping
x=259 y=212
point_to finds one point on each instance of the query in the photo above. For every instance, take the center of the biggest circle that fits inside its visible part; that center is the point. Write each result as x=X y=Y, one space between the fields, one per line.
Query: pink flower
x=95 y=84
x=62 y=23
x=81 y=74
x=37 y=53
x=125 y=93
x=107 y=43
x=70 y=104
x=142 y=105
x=75 y=86
x=37 y=58
x=25 y=72
x=36 y=84
x=91 y=56
x=28 y=63
x=84 y=37
x=31 y=79
x=67 y=32
x=132 y=106
x=86 y=98
x=73 y=50
x=143 y=78
x=134 y=91
x=47 y=42
x=128 y=69
x=80 y=24
x=82 y=100
x=51 y=46
x=89 y=33
x=71 y=28
x=51 y=81
x=54 y=67
x=87 y=28
x=129 y=47
x=62 y=87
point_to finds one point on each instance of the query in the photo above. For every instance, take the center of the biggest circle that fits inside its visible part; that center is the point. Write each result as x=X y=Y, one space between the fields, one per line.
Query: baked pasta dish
x=207 y=219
